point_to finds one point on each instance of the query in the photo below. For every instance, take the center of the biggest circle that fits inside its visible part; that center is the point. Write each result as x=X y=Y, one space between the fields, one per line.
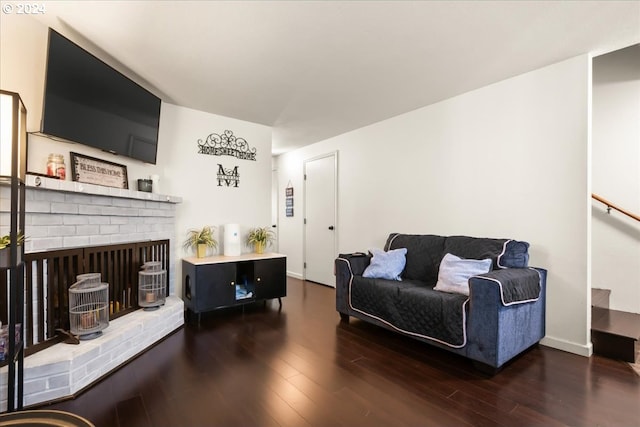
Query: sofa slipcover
x=503 y=315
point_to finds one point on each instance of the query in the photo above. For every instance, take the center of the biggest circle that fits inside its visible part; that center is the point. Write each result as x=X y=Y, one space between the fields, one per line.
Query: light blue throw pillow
x=455 y=272
x=386 y=265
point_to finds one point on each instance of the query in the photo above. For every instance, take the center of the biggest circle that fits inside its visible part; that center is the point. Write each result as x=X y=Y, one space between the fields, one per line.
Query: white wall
x=192 y=176
x=616 y=176
x=507 y=160
x=183 y=172
x=23 y=49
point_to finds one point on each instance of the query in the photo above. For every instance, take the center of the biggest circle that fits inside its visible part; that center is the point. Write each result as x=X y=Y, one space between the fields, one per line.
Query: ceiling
x=313 y=70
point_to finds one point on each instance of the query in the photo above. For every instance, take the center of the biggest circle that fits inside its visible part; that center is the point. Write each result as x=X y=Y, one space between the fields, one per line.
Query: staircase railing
x=617 y=208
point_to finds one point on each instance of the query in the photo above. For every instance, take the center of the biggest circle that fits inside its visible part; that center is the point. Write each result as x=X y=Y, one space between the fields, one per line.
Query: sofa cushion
x=424 y=253
x=455 y=272
x=515 y=255
x=386 y=265
x=411 y=307
x=502 y=252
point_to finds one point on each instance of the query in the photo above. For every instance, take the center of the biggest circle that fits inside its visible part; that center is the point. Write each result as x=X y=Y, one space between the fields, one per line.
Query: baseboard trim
x=295 y=275
x=568 y=346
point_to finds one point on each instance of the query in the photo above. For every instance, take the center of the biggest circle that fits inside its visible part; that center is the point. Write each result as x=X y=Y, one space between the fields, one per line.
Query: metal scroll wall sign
x=227 y=144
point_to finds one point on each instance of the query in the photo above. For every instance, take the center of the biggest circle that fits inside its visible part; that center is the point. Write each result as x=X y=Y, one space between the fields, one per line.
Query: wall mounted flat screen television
x=88 y=102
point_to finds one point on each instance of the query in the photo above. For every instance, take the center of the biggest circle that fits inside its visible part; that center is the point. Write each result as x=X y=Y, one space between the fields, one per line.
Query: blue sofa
x=502 y=315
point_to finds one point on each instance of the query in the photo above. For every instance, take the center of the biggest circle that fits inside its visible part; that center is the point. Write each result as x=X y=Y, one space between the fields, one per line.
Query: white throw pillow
x=386 y=265
x=455 y=272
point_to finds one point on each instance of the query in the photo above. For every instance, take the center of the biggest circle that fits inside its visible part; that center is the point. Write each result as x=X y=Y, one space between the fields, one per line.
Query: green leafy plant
x=5 y=241
x=204 y=236
x=260 y=235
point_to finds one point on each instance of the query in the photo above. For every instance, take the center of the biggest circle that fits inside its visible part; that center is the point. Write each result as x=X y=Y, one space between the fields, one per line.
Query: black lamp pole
x=13 y=157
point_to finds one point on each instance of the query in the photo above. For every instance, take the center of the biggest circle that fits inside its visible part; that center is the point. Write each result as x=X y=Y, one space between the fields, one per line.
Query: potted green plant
x=5 y=243
x=200 y=240
x=260 y=238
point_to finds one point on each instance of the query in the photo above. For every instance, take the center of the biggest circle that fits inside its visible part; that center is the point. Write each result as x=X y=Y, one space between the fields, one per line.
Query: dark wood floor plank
x=345 y=409
x=529 y=417
x=132 y=413
x=369 y=408
x=263 y=394
x=302 y=366
x=166 y=415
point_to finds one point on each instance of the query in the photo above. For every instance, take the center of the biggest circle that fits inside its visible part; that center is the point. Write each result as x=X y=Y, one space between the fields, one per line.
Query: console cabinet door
x=270 y=278
x=210 y=286
x=219 y=285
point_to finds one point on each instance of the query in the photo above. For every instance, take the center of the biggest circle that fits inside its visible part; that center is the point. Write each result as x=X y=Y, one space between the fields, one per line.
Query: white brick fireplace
x=66 y=214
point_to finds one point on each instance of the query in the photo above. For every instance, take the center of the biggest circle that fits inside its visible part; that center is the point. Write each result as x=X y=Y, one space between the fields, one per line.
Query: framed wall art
x=288 y=192
x=91 y=170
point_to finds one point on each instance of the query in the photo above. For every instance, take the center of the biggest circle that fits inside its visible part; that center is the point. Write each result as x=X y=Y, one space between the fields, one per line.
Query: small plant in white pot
x=260 y=238
x=200 y=240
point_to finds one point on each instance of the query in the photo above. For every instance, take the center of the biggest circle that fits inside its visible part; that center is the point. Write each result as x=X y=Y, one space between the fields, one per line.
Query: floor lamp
x=13 y=164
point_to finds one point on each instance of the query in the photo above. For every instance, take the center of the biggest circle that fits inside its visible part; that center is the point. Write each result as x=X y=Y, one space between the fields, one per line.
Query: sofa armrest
x=356 y=262
x=497 y=332
x=516 y=285
x=347 y=266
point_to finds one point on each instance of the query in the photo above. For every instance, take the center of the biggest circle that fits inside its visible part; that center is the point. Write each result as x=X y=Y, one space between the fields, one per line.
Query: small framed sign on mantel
x=95 y=171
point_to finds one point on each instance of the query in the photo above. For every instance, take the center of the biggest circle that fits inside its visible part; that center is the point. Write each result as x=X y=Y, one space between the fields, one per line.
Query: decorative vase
x=259 y=246
x=201 y=250
x=4 y=258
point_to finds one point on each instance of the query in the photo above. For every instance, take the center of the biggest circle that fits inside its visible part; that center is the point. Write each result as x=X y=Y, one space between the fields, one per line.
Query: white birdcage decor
x=88 y=306
x=152 y=285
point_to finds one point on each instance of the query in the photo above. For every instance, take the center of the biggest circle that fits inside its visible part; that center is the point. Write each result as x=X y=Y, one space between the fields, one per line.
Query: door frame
x=333 y=154
x=275 y=205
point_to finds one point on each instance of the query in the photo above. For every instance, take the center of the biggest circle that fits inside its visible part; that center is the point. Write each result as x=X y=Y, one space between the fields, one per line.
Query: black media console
x=224 y=281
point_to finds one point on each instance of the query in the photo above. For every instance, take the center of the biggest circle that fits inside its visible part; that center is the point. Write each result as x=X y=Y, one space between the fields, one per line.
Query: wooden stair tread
x=615 y=322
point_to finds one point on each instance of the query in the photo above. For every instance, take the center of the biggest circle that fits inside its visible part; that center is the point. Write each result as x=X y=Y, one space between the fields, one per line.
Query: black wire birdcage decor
x=88 y=306
x=152 y=285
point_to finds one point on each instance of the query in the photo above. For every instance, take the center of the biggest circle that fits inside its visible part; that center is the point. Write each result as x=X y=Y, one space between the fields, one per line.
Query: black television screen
x=88 y=102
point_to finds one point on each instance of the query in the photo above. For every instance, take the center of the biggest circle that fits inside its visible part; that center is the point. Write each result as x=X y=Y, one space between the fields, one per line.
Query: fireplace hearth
x=76 y=218
x=63 y=370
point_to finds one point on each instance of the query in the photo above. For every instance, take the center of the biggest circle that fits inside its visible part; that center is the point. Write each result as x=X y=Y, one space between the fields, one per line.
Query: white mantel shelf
x=44 y=183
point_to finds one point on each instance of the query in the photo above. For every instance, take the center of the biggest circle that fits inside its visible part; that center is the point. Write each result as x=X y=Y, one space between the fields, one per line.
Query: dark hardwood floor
x=302 y=367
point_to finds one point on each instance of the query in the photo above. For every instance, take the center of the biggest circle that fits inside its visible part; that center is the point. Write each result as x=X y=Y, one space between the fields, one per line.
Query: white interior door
x=320 y=232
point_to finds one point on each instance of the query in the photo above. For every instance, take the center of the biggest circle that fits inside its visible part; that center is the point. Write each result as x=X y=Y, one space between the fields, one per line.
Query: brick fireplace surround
x=66 y=214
